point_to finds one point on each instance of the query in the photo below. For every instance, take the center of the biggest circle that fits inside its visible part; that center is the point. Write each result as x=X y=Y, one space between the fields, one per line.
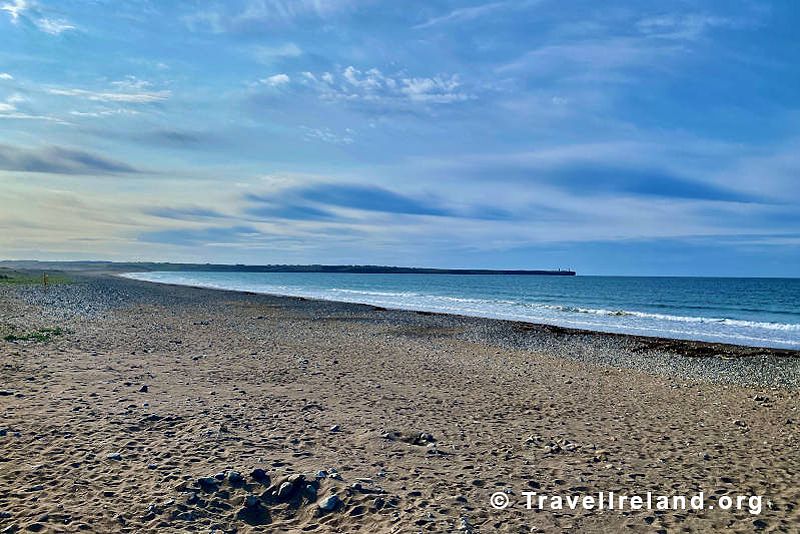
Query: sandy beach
x=135 y=407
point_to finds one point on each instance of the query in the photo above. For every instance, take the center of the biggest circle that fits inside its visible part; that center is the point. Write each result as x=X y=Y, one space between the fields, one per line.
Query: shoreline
x=691 y=348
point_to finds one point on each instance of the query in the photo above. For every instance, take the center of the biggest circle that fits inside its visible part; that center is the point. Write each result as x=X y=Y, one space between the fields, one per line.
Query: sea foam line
x=722 y=329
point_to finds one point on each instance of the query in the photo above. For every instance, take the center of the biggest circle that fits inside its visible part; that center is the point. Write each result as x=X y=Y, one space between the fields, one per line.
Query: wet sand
x=117 y=416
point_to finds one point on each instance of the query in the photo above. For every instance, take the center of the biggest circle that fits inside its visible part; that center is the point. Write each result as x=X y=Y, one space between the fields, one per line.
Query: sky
x=616 y=137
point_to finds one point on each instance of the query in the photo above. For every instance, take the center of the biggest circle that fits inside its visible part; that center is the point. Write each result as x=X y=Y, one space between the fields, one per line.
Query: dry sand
x=237 y=382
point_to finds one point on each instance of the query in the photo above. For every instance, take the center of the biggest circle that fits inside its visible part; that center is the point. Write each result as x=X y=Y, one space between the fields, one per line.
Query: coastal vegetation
x=16 y=277
x=40 y=335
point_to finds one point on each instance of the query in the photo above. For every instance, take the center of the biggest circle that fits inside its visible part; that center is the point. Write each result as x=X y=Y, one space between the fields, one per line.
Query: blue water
x=745 y=311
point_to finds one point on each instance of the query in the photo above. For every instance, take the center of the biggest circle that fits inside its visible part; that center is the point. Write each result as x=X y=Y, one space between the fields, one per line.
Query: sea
x=762 y=312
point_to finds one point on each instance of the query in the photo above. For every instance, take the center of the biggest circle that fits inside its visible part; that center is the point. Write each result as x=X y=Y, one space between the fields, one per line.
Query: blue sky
x=611 y=137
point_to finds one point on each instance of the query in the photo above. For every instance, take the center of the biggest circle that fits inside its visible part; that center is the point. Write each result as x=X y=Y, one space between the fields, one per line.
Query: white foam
x=720 y=329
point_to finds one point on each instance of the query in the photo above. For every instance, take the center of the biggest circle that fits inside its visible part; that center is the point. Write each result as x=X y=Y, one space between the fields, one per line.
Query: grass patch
x=41 y=335
x=12 y=277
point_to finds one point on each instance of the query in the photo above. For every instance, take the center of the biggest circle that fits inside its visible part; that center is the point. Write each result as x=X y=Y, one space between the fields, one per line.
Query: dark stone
x=260 y=476
x=207 y=484
x=330 y=503
x=285 y=491
x=255 y=514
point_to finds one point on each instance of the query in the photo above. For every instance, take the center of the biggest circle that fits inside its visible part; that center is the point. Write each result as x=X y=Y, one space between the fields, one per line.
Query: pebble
x=186 y=516
x=425 y=437
x=259 y=475
x=207 y=483
x=330 y=503
x=114 y=456
x=286 y=490
x=143 y=389
x=235 y=477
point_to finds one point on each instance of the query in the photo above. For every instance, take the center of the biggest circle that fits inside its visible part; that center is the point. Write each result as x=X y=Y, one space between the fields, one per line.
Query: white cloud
x=8 y=111
x=372 y=85
x=599 y=51
x=772 y=171
x=53 y=26
x=131 y=91
x=268 y=54
x=435 y=90
x=610 y=59
x=9 y=107
x=327 y=135
x=132 y=84
x=263 y=15
x=15 y=9
x=104 y=112
x=475 y=12
x=689 y=27
x=5 y=76
x=276 y=80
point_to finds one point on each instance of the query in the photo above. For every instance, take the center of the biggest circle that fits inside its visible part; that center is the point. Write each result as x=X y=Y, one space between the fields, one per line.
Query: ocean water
x=744 y=311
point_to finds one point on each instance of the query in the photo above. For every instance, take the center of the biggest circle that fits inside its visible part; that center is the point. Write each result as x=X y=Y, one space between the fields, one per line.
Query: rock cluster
x=228 y=498
x=414 y=438
x=552 y=446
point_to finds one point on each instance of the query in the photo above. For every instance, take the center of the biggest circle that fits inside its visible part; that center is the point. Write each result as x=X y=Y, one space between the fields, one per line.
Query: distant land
x=215 y=267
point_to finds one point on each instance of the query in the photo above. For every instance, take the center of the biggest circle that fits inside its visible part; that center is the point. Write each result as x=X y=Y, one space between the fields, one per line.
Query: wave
x=678 y=318
x=594 y=311
x=722 y=329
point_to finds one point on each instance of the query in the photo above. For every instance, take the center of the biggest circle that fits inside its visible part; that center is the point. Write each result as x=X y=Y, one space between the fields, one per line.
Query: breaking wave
x=523 y=308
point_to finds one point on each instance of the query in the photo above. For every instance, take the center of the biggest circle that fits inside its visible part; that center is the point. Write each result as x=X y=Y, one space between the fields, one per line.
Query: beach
x=129 y=406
